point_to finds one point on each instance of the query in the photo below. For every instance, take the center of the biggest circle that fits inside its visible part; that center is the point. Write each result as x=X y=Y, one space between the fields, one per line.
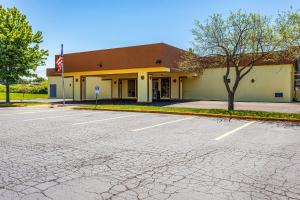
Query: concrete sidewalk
x=257 y=106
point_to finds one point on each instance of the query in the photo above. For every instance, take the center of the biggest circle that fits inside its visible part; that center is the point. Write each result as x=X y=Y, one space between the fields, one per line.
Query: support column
x=76 y=88
x=180 y=88
x=115 y=88
x=142 y=84
x=175 y=87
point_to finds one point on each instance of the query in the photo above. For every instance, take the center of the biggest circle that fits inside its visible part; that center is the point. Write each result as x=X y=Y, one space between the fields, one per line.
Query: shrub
x=42 y=88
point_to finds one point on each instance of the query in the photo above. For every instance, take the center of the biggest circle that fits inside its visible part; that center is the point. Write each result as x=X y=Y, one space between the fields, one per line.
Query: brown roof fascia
x=52 y=72
x=122 y=58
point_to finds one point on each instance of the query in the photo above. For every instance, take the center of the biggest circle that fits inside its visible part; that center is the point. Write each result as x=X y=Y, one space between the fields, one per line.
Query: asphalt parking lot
x=62 y=154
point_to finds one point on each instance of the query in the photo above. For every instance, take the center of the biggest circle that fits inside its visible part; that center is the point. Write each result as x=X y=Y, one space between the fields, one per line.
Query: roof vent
x=158 y=61
x=100 y=65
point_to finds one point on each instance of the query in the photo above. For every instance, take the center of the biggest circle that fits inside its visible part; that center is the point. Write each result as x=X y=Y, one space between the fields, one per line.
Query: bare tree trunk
x=230 y=101
x=7 y=93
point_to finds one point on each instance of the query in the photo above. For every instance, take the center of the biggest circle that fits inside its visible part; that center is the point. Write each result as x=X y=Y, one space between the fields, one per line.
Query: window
x=278 y=94
x=297 y=81
x=131 y=88
x=158 y=61
x=226 y=80
x=165 y=87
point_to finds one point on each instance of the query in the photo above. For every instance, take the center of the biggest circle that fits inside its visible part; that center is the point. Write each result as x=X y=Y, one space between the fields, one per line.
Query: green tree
x=20 y=51
x=240 y=41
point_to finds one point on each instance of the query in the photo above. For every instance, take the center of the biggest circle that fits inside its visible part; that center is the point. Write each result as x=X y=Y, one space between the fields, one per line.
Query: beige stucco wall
x=208 y=86
x=77 y=88
x=68 y=86
x=268 y=80
x=104 y=85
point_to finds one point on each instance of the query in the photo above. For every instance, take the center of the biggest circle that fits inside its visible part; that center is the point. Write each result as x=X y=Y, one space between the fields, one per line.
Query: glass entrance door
x=165 y=88
x=155 y=91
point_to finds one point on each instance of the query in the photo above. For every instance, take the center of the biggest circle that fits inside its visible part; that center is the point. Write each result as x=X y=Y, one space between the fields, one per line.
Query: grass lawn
x=19 y=96
x=245 y=114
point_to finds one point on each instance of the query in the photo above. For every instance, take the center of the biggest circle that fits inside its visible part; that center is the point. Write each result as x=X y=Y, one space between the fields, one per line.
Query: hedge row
x=27 y=88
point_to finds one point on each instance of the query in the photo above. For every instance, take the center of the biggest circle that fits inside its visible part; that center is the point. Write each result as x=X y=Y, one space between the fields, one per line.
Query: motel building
x=150 y=72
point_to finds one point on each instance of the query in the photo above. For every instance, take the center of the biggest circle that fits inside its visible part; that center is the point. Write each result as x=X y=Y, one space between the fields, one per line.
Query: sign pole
x=97 y=91
x=96 y=99
x=62 y=75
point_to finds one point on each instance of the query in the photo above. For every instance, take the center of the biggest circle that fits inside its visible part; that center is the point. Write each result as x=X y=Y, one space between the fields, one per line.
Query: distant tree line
x=35 y=80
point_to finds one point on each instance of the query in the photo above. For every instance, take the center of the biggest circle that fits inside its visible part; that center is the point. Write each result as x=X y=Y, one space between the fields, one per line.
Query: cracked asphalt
x=62 y=154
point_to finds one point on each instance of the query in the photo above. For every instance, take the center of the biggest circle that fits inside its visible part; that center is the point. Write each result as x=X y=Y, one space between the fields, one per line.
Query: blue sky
x=97 y=24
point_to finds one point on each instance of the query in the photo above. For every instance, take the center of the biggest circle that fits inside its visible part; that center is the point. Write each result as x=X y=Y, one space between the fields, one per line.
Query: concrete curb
x=10 y=105
x=200 y=114
x=24 y=105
